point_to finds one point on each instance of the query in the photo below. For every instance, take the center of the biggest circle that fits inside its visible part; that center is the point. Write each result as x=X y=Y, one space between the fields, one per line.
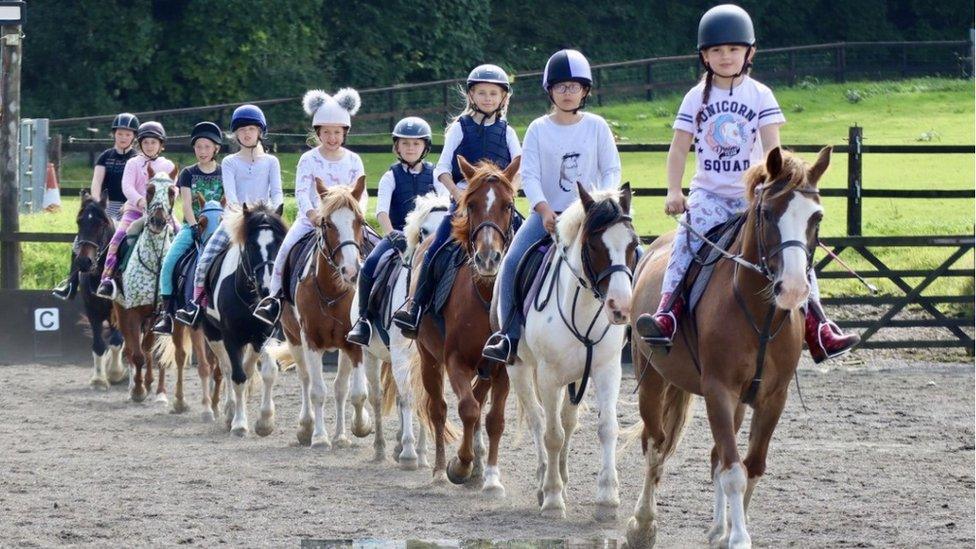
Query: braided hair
x=706 y=93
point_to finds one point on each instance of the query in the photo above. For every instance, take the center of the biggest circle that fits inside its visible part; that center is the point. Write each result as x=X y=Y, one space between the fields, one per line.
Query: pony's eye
x=767 y=215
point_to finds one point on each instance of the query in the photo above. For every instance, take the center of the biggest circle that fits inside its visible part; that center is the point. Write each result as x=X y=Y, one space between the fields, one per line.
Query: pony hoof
x=605 y=513
x=456 y=472
x=305 y=434
x=440 y=478
x=320 y=443
x=264 y=427
x=119 y=378
x=341 y=441
x=362 y=431
x=554 y=513
x=179 y=406
x=161 y=398
x=641 y=538
x=379 y=457
x=407 y=464
x=239 y=431
x=99 y=383
x=137 y=395
x=208 y=416
x=422 y=462
x=540 y=497
x=493 y=491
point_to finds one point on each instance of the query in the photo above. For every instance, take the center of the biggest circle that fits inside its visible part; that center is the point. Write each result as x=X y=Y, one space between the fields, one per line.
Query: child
x=203 y=179
x=151 y=138
x=479 y=133
x=250 y=175
x=331 y=162
x=726 y=46
x=106 y=178
x=399 y=187
x=562 y=148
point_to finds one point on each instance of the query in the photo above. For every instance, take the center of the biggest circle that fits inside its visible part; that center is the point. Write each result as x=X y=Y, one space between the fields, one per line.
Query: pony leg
x=764 y=421
x=408 y=458
x=433 y=379
x=100 y=356
x=313 y=361
x=204 y=371
x=269 y=374
x=495 y=425
x=459 y=470
x=372 y=367
x=522 y=378
x=606 y=381
x=305 y=412
x=551 y=392
x=223 y=362
x=239 y=426
x=480 y=389
x=131 y=335
x=116 y=369
x=729 y=475
x=359 y=394
x=179 y=341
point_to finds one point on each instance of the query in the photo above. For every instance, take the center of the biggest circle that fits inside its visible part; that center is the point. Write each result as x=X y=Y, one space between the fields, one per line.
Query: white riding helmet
x=335 y=109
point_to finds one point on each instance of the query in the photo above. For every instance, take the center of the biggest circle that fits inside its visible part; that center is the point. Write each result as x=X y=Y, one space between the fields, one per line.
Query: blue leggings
x=179 y=246
x=368 y=272
x=528 y=234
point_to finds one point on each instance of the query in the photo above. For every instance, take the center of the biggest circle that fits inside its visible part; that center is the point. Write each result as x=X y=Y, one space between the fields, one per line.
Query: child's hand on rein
x=675 y=203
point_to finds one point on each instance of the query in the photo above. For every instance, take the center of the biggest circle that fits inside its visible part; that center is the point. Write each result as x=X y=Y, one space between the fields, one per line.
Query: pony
x=176 y=350
x=740 y=348
x=483 y=227
x=316 y=320
x=237 y=281
x=587 y=290
x=428 y=212
x=95 y=229
x=136 y=305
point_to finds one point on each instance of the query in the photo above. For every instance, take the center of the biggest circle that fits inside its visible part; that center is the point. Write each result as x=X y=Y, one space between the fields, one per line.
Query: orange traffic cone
x=52 y=192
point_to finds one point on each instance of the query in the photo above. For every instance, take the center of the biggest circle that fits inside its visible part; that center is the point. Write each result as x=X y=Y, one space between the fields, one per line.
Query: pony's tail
x=676 y=411
x=165 y=346
x=388 y=383
x=422 y=400
x=281 y=353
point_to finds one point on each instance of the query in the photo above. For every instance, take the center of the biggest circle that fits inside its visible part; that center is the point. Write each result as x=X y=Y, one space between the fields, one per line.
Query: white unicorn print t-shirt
x=727 y=139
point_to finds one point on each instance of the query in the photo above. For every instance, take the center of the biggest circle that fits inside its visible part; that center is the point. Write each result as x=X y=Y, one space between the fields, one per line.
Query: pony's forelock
x=571 y=221
x=337 y=198
x=486 y=173
x=793 y=174
x=235 y=222
x=415 y=219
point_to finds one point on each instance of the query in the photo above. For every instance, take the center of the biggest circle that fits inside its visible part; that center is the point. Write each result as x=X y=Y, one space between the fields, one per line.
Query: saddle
x=213 y=273
x=696 y=279
x=379 y=304
x=529 y=273
x=295 y=263
x=183 y=274
x=444 y=269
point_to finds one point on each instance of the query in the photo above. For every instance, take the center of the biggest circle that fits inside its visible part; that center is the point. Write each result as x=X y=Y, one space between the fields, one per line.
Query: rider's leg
x=107 y=288
x=408 y=319
x=181 y=243
x=824 y=338
x=269 y=309
x=216 y=244
x=69 y=286
x=362 y=330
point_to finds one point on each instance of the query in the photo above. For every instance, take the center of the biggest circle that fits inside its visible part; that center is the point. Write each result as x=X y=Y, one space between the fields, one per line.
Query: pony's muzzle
x=349 y=274
x=488 y=261
x=618 y=311
x=790 y=294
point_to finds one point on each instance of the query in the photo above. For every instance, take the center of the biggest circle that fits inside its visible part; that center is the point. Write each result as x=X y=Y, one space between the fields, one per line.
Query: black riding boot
x=408 y=320
x=68 y=287
x=362 y=331
x=165 y=324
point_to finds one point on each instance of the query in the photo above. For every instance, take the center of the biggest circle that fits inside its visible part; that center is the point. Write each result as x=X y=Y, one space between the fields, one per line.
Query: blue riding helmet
x=567 y=66
x=248 y=115
x=412 y=127
x=489 y=74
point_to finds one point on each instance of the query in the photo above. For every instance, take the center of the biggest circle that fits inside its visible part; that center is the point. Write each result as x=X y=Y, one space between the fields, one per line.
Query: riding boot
x=106 y=289
x=268 y=309
x=500 y=347
x=824 y=338
x=658 y=330
x=362 y=331
x=67 y=288
x=165 y=324
x=408 y=320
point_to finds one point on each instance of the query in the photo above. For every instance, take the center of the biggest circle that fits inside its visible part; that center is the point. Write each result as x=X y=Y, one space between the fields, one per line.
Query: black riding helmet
x=567 y=66
x=125 y=121
x=207 y=130
x=725 y=24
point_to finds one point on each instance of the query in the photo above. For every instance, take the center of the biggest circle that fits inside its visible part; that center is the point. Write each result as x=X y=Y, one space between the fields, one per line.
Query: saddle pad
x=297 y=257
x=529 y=274
x=697 y=277
x=213 y=273
x=444 y=268
x=125 y=251
x=380 y=296
x=183 y=274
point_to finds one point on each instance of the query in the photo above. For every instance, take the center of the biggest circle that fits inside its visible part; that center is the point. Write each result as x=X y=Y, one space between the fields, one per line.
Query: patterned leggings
x=112 y=256
x=706 y=210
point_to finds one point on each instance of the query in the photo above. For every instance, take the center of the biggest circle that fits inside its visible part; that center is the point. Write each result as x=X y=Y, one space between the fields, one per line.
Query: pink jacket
x=136 y=177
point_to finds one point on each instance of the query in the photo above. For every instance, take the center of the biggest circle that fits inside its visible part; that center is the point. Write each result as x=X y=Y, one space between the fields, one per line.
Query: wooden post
x=855 y=137
x=792 y=58
x=596 y=84
x=650 y=81
x=54 y=153
x=840 y=65
x=391 y=99
x=447 y=102
x=10 y=41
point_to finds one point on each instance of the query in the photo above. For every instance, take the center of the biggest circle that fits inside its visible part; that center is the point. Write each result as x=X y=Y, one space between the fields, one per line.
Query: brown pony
x=319 y=319
x=720 y=356
x=483 y=226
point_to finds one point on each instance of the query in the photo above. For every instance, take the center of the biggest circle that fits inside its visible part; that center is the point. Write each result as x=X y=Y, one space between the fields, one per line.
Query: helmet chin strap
x=412 y=165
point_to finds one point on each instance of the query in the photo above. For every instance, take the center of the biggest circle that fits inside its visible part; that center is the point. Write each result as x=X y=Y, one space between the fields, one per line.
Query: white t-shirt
x=728 y=141
x=384 y=193
x=452 y=139
x=251 y=182
x=312 y=164
x=555 y=157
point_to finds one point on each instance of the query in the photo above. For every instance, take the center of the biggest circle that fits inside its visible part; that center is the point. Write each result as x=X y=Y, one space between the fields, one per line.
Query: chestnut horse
x=135 y=305
x=319 y=319
x=753 y=298
x=483 y=227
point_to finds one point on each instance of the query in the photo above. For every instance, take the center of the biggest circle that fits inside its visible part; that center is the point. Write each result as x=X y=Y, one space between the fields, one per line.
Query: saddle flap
x=529 y=274
x=378 y=307
x=444 y=268
x=697 y=277
x=297 y=257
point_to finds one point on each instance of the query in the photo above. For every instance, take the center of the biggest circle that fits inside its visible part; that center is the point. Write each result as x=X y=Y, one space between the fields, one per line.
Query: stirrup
x=358 y=338
x=268 y=310
x=650 y=332
x=495 y=343
x=408 y=323
x=188 y=314
x=65 y=290
x=111 y=295
x=164 y=326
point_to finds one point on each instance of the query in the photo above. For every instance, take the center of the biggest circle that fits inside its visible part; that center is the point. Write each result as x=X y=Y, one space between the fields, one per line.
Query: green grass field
x=917 y=111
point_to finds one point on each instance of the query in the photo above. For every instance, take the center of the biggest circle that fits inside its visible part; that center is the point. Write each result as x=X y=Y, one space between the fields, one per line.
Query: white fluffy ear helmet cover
x=336 y=109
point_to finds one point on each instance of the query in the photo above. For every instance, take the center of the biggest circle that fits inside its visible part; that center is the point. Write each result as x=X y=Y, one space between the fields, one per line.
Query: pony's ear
x=150 y=192
x=585 y=197
x=774 y=163
x=320 y=187
x=171 y=192
x=359 y=187
x=203 y=221
x=467 y=170
x=244 y=208
x=625 y=197
x=223 y=201
x=150 y=172
x=174 y=172
x=820 y=166
x=200 y=201
x=85 y=195
x=280 y=210
x=512 y=170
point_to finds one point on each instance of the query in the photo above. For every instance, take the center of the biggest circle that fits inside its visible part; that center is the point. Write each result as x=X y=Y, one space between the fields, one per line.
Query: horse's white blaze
x=488 y=235
x=793 y=276
x=265 y=240
x=348 y=256
x=616 y=239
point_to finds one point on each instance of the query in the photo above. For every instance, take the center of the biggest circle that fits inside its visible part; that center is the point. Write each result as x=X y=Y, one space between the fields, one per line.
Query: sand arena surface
x=884 y=457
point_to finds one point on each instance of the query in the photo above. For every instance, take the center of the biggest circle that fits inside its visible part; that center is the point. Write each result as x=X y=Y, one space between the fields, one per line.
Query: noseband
x=591 y=279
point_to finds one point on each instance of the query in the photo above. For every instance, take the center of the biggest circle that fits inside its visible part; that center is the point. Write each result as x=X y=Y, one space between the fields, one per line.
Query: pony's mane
x=792 y=176
x=236 y=222
x=606 y=208
x=337 y=198
x=415 y=219
x=95 y=207
x=486 y=173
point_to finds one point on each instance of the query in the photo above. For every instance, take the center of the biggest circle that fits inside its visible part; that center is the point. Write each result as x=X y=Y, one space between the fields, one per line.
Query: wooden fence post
x=597 y=80
x=10 y=61
x=391 y=99
x=650 y=81
x=792 y=58
x=854 y=183
x=840 y=58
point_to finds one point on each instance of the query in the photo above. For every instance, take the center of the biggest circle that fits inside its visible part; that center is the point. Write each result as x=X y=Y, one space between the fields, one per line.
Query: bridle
x=250 y=270
x=590 y=279
x=766 y=253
